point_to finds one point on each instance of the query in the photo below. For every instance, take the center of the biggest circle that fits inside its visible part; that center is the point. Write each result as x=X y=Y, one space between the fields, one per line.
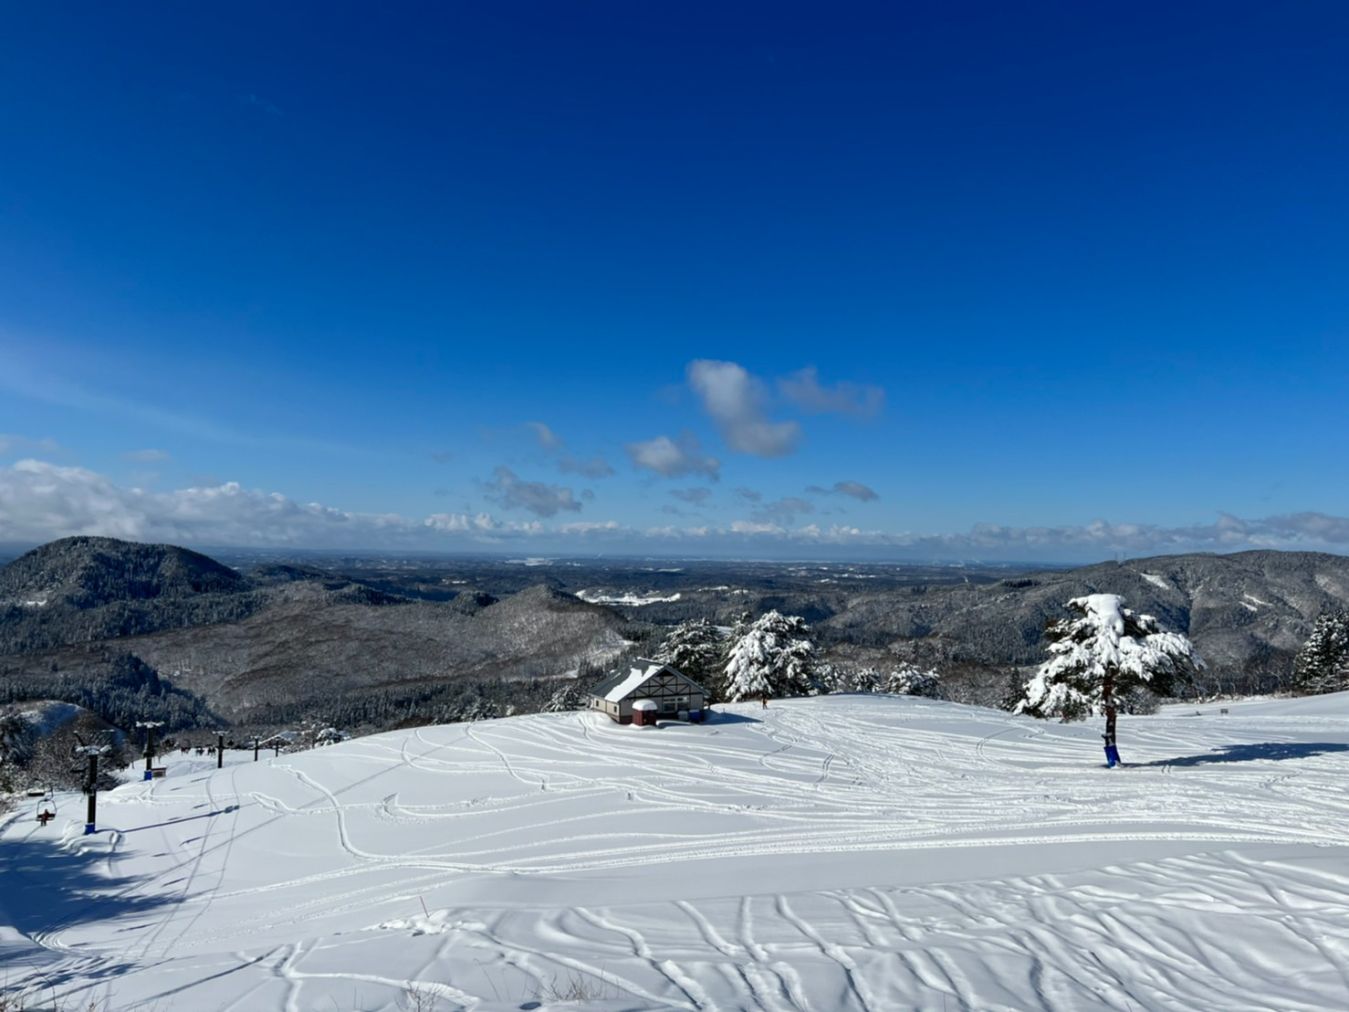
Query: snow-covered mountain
x=831 y=853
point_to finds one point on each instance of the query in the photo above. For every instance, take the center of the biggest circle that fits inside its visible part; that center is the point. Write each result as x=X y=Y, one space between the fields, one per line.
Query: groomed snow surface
x=848 y=852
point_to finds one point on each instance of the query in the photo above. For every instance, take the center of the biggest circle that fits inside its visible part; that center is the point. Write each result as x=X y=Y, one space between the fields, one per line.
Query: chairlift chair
x=46 y=808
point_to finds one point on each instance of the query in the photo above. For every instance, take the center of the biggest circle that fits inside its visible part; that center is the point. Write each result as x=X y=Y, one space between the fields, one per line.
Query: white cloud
x=455 y=522
x=536 y=497
x=803 y=388
x=735 y=401
x=589 y=526
x=670 y=459
x=756 y=527
x=40 y=501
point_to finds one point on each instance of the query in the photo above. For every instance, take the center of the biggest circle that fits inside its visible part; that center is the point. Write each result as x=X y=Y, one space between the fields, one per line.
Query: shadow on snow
x=1260 y=750
x=47 y=889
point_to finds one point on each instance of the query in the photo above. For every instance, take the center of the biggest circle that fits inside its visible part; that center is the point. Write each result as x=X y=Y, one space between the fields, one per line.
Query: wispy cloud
x=673 y=459
x=11 y=444
x=548 y=439
x=568 y=463
x=22 y=379
x=256 y=101
x=148 y=456
x=803 y=388
x=537 y=497
x=594 y=467
x=694 y=496
x=782 y=511
x=853 y=489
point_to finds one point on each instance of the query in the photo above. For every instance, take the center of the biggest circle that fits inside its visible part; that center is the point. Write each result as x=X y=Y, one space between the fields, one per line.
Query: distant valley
x=254 y=641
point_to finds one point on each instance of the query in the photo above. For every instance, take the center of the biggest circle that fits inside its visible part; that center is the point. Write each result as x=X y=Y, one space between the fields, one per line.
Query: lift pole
x=149 y=726
x=91 y=785
x=255 y=748
x=91 y=817
x=220 y=750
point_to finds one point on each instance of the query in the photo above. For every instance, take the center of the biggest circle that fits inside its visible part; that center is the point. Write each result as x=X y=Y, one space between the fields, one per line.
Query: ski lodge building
x=649 y=691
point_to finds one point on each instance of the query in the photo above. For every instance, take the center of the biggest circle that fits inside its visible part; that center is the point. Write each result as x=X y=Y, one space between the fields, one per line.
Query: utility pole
x=149 y=726
x=220 y=750
x=91 y=785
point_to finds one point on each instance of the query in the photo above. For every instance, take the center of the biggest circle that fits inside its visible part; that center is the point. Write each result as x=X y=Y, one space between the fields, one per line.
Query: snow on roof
x=636 y=677
x=645 y=705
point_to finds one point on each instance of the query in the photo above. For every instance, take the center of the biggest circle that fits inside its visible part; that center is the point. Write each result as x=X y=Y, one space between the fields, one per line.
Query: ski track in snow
x=850 y=852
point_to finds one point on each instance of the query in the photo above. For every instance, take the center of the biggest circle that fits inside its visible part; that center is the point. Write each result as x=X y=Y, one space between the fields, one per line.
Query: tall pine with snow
x=1099 y=654
x=1322 y=665
x=771 y=656
x=696 y=648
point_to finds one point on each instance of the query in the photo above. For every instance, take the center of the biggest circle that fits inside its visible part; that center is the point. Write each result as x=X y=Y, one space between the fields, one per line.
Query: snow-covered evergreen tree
x=569 y=697
x=911 y=681
x=1322 y=665
x=772 y=656
x=840 y=679
x=696 y=649
x=1099 y=654
x=16 y=741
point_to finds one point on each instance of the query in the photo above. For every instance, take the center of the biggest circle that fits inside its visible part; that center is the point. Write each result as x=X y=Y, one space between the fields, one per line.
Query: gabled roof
x=620 y=686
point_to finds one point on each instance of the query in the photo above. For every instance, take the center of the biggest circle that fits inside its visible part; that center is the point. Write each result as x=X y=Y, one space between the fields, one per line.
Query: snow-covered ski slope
x=844 y=852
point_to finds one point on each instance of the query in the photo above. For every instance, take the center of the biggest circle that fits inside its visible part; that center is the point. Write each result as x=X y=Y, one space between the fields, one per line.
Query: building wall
x=666 y=697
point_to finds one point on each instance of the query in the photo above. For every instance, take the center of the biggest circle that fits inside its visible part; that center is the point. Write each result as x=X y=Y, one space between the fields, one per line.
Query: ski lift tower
x=149 y=726
x=91 y=785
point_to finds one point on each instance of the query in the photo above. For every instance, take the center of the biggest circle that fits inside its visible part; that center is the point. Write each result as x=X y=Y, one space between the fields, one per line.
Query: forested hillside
x=135 y=631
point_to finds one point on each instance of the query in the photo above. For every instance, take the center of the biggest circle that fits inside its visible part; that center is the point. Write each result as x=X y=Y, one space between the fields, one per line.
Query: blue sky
x=925 y=280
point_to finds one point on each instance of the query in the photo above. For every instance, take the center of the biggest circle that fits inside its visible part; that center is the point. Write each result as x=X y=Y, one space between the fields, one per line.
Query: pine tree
x=911 y=681
x=695 y=648
x=569 y=697
x=1322 y=665
x=1100 y=654
x=772 y=656
x=841 y=679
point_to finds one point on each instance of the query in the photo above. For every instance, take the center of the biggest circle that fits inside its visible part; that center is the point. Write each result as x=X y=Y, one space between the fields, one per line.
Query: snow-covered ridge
x=1160 y=582
x=593 y=596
